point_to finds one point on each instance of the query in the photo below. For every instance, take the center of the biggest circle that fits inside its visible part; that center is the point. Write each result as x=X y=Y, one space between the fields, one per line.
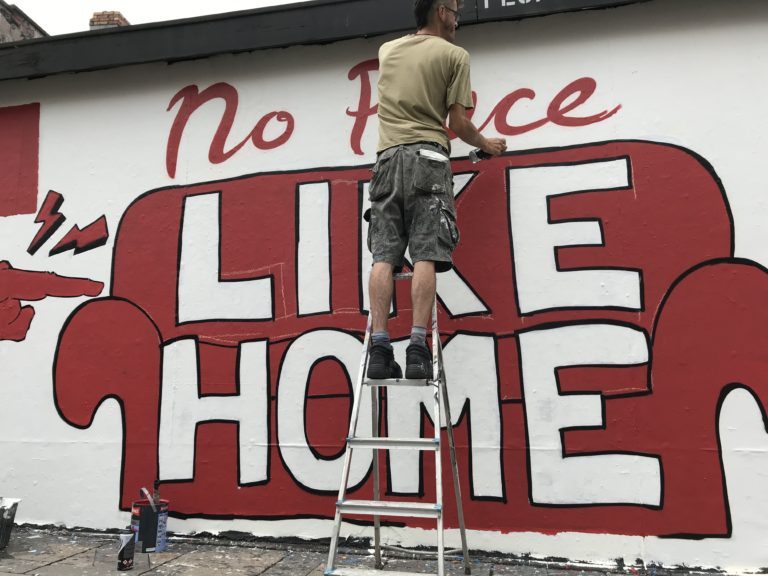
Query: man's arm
x=464 y=129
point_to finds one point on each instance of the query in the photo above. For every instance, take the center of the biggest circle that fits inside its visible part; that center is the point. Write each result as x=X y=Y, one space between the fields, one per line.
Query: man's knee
x=380 y=278
x=424 y=267
x=381 y=270
x=424 y=277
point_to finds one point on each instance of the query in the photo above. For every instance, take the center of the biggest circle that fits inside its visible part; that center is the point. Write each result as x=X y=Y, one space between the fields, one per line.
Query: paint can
x=7 y=514
x=149 y=521
x=127 y=548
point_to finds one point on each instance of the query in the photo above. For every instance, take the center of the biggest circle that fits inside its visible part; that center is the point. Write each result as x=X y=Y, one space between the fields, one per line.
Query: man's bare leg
x=418 y=359
x=381 y=363
x=380 y=287
x=423 y=292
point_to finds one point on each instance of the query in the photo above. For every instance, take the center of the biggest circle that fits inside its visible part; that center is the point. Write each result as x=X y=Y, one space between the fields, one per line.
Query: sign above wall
x=505 y=9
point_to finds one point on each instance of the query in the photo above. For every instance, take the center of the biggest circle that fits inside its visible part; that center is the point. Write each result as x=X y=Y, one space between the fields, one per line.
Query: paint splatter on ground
x=58 y=552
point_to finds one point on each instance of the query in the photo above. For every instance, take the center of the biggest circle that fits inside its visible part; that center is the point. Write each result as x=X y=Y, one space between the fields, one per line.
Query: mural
x=232 y=369
x=596 y=321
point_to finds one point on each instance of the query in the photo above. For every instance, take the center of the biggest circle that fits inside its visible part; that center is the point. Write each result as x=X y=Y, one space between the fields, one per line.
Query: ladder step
x=388 y=508
x=367 y=572
x=389 y=443
x=397 y=382
x=403 y=276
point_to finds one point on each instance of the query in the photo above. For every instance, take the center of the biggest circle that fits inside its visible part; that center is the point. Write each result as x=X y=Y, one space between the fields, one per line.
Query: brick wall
x=108 y=20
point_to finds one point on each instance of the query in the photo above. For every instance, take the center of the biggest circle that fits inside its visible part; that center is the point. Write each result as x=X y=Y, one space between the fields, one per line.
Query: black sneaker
x=418 y=362
x=381 y=363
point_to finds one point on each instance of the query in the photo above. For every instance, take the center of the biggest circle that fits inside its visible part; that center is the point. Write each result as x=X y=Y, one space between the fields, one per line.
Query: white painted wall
x=688 y=73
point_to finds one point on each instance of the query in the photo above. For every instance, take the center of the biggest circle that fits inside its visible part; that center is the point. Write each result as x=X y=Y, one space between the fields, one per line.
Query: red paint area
x=50 y=220
x=92 y=236
x=23 y=285
x=113 y=354
x=80 y=240
x=19 y=142
x=673 y=218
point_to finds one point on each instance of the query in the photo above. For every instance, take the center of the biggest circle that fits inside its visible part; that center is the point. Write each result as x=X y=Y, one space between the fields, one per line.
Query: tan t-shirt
x=420 y=77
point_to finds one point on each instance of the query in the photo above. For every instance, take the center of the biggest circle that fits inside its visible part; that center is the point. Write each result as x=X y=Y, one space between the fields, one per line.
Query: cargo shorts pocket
x=432 y=173
x=380 y=185
x=370 y=232
x=449 y=231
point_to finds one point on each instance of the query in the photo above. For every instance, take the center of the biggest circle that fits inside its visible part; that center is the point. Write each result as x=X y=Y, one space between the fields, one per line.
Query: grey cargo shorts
x=412 y=206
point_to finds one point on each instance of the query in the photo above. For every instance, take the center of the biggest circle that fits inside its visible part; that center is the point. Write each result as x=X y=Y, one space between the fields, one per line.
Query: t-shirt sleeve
x=459 y=87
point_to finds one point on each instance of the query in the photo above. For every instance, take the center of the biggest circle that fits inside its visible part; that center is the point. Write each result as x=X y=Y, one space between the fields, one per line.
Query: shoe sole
x=416 y=373
x=383 y=373
x=377 y=375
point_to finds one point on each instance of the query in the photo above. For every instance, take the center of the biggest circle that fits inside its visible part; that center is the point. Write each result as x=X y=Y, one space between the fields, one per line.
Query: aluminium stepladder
x=377 y=507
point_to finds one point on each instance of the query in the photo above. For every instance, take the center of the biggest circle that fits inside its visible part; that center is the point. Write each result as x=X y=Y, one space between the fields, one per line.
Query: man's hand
x=18 y=285
x=494 y=146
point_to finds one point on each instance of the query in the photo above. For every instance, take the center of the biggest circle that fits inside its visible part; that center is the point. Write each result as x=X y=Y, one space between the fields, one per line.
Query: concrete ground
x=58 y=552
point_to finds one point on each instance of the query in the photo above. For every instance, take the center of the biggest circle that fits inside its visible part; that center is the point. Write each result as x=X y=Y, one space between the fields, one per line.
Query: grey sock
x=381 y=338
x=419 y=335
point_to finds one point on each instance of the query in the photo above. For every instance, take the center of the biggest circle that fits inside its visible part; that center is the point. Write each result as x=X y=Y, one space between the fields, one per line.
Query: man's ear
x=437 y=11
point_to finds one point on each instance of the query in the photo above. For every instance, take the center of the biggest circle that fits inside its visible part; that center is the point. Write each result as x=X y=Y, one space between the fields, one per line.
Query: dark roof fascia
x=314 y=22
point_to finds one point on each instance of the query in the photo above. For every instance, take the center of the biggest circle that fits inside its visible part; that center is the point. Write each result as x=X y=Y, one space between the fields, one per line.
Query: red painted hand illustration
x=18 y=285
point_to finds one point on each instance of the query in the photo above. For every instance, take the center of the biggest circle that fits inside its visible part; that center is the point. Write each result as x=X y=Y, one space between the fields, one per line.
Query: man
x=423 y=78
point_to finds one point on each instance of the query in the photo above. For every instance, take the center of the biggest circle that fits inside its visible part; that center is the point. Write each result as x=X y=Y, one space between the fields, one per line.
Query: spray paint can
x=126 y=551
x=476 y=155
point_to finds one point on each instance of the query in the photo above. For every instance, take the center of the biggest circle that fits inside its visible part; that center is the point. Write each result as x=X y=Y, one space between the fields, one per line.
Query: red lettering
x=257 y=136
x=501 y=112
x=191 y=99
x=574 y=95
x=583 y=88
x=365 y=109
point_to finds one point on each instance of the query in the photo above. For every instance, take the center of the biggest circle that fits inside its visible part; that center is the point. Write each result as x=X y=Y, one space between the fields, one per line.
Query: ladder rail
x=436 y=369
x=452 y=552
x=375 y=396
x=454 y=465
x=333 y=549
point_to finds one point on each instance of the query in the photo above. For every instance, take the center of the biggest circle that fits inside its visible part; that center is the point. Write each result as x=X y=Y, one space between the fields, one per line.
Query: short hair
x=422 y=8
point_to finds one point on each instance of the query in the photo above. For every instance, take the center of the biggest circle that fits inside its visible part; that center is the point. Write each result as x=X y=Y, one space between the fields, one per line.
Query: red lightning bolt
x=50 y=218
x=92 y=236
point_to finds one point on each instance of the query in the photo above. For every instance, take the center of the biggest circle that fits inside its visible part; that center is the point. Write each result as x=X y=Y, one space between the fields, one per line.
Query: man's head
x=440 y=17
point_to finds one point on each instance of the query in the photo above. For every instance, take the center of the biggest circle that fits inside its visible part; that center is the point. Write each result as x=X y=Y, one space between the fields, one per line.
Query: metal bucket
x=149 y=523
